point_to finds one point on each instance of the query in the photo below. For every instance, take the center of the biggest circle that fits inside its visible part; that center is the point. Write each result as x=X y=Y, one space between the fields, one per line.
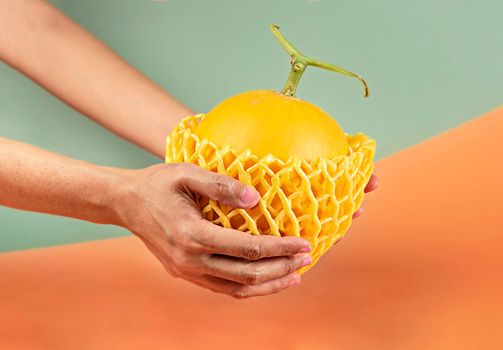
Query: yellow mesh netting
x=314 y=199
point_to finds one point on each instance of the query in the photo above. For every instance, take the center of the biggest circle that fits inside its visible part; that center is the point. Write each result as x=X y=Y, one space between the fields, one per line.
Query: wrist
x=116 y=197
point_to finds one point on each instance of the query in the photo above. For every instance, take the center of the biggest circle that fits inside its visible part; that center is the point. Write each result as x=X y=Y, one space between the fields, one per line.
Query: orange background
x=421 y=269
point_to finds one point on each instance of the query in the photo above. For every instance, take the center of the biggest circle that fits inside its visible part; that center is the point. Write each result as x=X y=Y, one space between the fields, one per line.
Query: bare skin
x=84 y=73
x=156 y=204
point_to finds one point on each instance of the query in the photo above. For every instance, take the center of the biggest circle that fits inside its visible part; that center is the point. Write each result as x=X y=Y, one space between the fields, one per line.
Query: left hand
x=371 y=186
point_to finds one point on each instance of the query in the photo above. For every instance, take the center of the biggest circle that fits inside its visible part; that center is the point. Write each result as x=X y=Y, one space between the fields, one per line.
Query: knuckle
x=185 y=239
x=206 y=239
x=253 y=276
x=289 y=266
x=180 y=230
x=241 y=293
x=284 y=250
x=188 y=243
x=184 y=263
x=222 y=184
x=252 y=251
x=277 y=287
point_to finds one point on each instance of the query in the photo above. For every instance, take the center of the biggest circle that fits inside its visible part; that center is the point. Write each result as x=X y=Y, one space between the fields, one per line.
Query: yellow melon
x=310 y=174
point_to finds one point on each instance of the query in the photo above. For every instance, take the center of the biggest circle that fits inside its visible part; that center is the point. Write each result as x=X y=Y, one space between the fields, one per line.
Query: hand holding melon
x=310 y=175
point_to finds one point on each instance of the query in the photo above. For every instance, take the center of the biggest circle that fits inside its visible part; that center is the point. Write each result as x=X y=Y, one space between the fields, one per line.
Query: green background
x=430 y=64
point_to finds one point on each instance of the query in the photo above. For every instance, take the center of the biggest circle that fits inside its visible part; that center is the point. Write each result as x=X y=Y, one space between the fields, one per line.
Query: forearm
x=43 y=44
x=36 y=180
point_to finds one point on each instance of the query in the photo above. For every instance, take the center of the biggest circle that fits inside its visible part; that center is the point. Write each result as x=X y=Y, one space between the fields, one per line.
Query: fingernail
x=306 y=249
x=307 y=261
x=294 y=280
x=249 y=196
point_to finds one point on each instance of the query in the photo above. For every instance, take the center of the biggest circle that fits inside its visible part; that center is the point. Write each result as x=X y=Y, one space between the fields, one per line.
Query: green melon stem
x=300 y=62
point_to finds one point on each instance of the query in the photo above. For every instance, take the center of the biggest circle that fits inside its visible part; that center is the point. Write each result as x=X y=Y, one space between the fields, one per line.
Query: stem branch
x=300 y=62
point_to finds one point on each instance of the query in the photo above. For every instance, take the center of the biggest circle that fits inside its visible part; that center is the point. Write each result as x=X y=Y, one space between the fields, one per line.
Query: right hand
x=157 y=205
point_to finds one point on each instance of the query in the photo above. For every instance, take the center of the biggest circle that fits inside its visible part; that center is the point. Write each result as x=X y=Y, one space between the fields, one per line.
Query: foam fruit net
x=314 y=199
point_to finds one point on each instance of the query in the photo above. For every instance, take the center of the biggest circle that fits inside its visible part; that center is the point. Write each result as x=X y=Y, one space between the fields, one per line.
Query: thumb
x=221 y=188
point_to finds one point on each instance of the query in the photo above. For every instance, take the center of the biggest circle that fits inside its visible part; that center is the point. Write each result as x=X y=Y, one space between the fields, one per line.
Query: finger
x=219 y=240
x=358 y=213
x=240 y=291
x=256 y=272
x=219 y=187
x=372 y=184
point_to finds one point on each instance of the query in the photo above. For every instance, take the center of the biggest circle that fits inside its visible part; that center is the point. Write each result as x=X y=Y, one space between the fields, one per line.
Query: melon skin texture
x=309 y=197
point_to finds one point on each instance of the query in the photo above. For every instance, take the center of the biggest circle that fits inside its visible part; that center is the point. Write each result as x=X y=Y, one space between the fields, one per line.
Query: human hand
x=157 y=205
x=371 y=186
